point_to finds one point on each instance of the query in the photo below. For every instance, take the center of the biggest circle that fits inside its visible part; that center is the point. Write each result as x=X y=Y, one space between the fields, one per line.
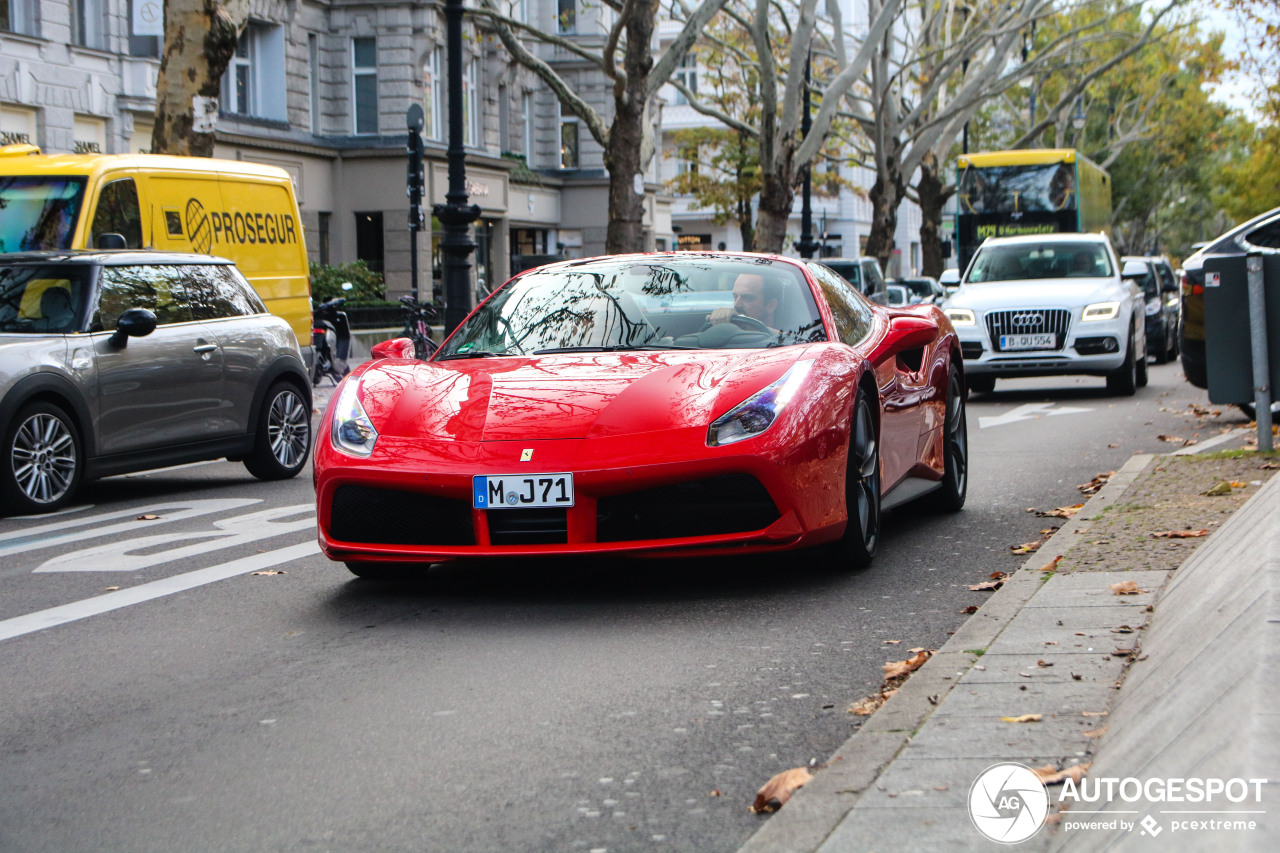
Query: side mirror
x=1134 y=269
x=112 y=240
x=394 y=348
x=134 y=323
x=904 y=333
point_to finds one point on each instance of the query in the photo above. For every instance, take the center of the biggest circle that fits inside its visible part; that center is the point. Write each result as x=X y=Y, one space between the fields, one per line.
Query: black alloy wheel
x=862 y=489
x=950 y=496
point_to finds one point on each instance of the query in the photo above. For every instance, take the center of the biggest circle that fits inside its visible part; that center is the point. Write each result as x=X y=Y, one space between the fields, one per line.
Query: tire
x=1123 y=381
x=1141 y=364
x=955 y=450
x=1163 y=353
x=983 y=384
x=857 y=546
x=1251 y=411
x=283 y=437
x=43 y=460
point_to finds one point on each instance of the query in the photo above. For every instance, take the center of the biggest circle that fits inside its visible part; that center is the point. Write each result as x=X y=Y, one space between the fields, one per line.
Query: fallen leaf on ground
x=892 y=669
x=1172 y=439
x=112 y=588
x=972 y=608
x=867 y=705
x=892 y=642
x=1097 y=732
x=1125 y=588
x=147 y=517
x=1062 y=511
x=998 y=576
x=1042 y=664
x=1269 y=466
x=715 y=793
x=1094 y=713
x=1180 y=534
x=1218 y=490
x=1027 y=547
x=775 y=793
x=986 y=585
x=269 y=572
x=1238 y=484
x=1096 y=483
x=1051 y=775
x=1023 y=718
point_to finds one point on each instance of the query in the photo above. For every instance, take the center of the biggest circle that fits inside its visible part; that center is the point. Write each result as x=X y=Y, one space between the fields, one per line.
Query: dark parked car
x=863 y=273
x=1155 y=277
x=112 y=362
x=1260 y=234
x=921 y=290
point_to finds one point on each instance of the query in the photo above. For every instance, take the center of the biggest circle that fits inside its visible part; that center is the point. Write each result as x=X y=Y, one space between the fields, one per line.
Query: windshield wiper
x=614 y=348
x=475 y=353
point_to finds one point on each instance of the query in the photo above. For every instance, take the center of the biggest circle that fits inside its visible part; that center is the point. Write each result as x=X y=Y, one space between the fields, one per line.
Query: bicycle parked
x=417 y=326
x=331 y=341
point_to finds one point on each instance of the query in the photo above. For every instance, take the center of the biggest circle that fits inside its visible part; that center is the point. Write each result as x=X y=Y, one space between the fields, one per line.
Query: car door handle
x=203 y=348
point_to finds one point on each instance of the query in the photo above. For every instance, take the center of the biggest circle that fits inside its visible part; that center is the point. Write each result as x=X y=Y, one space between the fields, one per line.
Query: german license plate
x=521 y=491
x=1044 y=340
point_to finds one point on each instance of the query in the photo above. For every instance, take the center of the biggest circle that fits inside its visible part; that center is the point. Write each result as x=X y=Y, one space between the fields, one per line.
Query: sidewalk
x=1176 y=681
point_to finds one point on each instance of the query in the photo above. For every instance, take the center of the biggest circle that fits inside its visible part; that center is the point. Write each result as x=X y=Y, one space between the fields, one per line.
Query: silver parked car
x=112 y=362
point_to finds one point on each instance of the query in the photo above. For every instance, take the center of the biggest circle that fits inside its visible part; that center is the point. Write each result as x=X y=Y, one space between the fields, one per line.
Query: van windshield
x=38 y=213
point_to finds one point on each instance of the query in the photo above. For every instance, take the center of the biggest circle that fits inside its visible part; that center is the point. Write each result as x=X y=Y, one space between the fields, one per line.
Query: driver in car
x=752 y=297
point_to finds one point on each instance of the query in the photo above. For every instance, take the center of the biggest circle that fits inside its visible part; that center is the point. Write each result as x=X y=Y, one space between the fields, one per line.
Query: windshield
x=38 y=213
x=42 y=299
x=1017 y=189
x=1039 y=260
x=663 y=303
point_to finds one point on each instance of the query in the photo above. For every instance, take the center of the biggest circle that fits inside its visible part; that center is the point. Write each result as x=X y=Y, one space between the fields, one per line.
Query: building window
x=369 y=238
x=322 y=237
x=687 y=73
x=364 y=84
x=470 y=105
x=433 y=95
x=18 y=16
x=569 y=158
x=146 y=28
x=313 y=79
x=526 y=123
x=567 y=16
x=88 y=27
x=251 y=86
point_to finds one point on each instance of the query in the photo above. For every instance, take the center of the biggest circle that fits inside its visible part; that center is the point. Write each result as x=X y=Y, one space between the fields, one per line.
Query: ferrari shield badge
x=526 y=455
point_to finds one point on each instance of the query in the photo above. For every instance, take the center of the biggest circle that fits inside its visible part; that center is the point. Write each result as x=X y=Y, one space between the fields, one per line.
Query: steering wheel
x=742 y=321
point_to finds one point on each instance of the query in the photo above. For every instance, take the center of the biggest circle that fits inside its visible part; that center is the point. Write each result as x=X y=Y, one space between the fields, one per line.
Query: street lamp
x=456 y=215
x=807 y=244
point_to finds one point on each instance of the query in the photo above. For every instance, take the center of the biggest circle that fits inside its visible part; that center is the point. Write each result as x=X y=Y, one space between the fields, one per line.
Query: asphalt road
x=155 y=695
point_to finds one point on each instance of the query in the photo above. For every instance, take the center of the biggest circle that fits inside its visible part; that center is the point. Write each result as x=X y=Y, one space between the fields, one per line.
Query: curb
x=814 y=811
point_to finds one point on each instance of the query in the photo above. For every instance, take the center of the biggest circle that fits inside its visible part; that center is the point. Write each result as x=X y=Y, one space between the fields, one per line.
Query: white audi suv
x=1048 y=305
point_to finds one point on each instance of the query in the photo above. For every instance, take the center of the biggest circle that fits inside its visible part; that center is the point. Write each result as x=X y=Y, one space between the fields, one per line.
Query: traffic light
x=416 y=179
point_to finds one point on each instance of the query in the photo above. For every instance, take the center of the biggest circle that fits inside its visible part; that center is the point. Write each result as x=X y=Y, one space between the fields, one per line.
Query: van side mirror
x=134 y=323
x=112 y=240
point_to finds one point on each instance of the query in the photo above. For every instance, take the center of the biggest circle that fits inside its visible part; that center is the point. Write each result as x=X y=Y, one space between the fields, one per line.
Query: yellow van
x=243 y=211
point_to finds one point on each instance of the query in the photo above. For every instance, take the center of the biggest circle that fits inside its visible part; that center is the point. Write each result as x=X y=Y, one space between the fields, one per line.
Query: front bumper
x=1094 y=348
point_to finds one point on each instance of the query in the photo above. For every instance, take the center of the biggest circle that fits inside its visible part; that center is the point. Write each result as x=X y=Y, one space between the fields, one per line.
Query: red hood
x=564 y=396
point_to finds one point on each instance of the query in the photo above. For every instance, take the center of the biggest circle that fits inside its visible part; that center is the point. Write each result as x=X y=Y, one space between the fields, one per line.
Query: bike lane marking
x=54 y=616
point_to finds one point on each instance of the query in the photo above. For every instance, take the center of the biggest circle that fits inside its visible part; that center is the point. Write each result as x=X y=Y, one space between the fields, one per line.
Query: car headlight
x=758 y=412
x=1101 y=311
x=1153 y=308
x=351 y=431
x=961 y=317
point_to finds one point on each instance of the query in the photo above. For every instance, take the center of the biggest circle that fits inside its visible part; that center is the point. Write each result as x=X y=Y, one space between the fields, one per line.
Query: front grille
x=1028 y=321
x=544 y=526
x=394 y=517
x=733 y=503
x=970 y=349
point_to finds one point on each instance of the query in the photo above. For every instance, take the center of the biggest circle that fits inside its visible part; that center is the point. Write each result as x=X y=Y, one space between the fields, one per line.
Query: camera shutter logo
x=1008 y=803
x=198 y=227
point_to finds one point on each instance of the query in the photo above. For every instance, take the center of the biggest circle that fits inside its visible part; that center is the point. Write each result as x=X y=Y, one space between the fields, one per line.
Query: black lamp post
x=807 y=245
x=456 y=215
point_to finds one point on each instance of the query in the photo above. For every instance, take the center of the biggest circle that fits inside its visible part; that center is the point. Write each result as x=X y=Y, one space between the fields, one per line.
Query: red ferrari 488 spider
x=662 y=404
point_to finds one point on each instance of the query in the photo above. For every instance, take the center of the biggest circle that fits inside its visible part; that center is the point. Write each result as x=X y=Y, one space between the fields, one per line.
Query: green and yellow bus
x=1034 y=191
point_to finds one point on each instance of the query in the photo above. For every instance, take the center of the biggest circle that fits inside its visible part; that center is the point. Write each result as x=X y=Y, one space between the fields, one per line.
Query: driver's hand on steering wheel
x=721 y=315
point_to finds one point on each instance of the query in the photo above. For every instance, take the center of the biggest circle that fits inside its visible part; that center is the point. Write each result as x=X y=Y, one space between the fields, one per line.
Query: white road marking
x=237 y=530
x=19 y=625
x=1028 y=412
x=48 y=535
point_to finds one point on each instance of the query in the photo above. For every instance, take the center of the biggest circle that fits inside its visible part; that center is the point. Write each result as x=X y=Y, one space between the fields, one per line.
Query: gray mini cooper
x=119 y=361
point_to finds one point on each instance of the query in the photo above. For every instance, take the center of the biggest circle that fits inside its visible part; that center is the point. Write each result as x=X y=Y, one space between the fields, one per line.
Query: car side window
x=215 y=292
x=118 y=212
x=850 y=310
x=1265 y=237
x=156 y=287
x=871 y=275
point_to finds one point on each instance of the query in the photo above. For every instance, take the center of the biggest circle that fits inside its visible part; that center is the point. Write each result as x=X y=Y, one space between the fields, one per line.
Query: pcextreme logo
x=208 y=227
x=1008 y=803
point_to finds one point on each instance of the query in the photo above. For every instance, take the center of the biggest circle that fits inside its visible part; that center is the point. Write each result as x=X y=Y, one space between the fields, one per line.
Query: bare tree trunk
x=199 y=41
x=626 y=137
x=932 y=195
x=886 y=194
x=777 y=197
